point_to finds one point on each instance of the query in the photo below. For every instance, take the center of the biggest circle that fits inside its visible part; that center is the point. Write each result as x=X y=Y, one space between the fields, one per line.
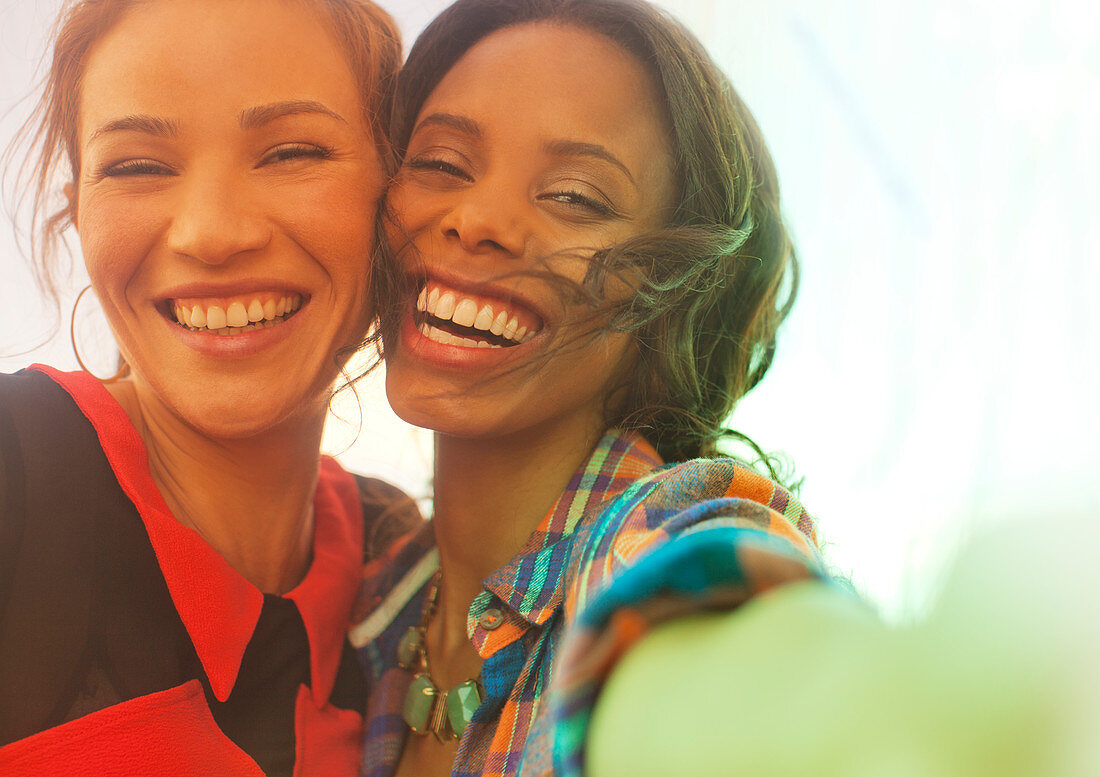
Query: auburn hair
x=368 y=35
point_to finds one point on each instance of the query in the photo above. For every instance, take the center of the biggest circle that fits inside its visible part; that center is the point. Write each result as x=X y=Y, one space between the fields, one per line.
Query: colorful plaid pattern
x=620 y=507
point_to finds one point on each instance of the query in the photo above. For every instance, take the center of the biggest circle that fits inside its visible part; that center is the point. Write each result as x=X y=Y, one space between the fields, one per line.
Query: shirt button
x=491 y=619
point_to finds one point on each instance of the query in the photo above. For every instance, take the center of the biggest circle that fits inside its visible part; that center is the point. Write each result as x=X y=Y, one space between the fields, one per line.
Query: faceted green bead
x=419 y=701
x=462 y=702
x=408 y=649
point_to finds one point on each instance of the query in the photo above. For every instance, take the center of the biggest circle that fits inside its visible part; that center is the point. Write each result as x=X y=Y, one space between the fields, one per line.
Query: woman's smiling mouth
x=235 y=315
x=454 y=317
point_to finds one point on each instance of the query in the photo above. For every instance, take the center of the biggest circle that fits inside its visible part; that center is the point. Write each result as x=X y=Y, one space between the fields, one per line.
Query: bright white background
x=940 y=372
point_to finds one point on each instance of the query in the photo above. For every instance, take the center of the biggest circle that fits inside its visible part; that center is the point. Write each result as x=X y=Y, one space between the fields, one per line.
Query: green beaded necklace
x=427 y=709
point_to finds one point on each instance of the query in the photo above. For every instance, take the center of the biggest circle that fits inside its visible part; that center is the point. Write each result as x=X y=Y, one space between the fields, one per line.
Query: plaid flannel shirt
x=564 y=623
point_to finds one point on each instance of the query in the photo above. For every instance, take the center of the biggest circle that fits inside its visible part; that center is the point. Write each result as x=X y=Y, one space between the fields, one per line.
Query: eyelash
x=283 y=153
x=569 y=197
x=437 y=165
x=581 y=201
x=132 y=167
x=289 y=151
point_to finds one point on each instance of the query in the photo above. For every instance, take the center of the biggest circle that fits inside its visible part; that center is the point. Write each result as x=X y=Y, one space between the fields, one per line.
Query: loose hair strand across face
x=719 y=278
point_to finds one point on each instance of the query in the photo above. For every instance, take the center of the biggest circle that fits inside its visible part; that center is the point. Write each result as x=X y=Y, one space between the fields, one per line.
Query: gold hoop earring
x=123 y=367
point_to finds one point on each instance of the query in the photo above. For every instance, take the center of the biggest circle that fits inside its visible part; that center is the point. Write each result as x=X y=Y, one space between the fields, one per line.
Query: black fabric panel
x=89 y=622
x=350 y=690
x=12 y=503
x=259 y=713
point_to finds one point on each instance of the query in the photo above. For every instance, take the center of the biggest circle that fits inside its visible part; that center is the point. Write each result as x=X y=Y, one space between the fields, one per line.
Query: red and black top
x=130 y=646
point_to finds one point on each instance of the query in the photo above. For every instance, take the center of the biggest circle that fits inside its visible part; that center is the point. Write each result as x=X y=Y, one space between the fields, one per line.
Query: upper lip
x=230 y=288
x=492 y=288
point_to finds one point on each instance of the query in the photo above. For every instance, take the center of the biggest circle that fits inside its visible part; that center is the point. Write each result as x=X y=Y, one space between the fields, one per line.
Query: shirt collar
x=530 y=584
x=219 y=607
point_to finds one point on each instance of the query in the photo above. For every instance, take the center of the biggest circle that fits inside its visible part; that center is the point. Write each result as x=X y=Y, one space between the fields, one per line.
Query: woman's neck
x=251 y=499
x=489 y=495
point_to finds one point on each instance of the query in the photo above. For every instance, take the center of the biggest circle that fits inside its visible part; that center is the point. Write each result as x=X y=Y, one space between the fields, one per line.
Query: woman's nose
x=485 y=218
x=216 y=219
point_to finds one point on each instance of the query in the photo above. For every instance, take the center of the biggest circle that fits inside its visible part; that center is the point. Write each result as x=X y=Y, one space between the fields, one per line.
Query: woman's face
x=225 y=204
x=541 y=145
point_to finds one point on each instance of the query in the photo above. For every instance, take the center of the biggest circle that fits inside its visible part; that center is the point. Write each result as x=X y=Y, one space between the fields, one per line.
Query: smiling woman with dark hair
x=588 y=265
x=178 y=563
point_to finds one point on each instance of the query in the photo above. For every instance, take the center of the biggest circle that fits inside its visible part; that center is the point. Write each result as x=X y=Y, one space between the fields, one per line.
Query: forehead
x=557 y=80
x=174 y=56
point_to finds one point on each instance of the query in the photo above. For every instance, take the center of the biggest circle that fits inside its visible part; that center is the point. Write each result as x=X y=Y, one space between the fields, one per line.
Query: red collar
x=217 y=605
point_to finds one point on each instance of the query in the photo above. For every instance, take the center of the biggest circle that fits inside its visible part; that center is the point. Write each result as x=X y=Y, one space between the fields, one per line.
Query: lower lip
x=239 y=346
x=458 y=357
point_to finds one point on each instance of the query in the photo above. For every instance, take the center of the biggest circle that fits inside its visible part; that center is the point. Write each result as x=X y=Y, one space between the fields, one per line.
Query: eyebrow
x=249 y=119
x=577 y=148
x=263 y=114
x=150 y=125
x=461 y=123
x=556 y=147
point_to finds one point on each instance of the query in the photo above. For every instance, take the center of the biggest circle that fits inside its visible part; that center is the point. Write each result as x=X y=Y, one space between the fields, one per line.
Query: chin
x=238 y=415
x=233 y=422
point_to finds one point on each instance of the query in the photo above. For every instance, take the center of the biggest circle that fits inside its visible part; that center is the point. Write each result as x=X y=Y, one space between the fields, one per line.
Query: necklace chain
x=427 y=709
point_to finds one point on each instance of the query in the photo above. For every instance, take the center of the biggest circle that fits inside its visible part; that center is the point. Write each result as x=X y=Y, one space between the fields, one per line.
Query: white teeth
x=484 y=318
x=465 y=312
x=439 y=335
x=445 y=308
x=446 y=338
x=215 y=318
x=236 y=315
x=449 y=305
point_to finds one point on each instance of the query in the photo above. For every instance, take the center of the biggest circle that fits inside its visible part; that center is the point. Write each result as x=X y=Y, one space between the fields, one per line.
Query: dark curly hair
x=717 y=280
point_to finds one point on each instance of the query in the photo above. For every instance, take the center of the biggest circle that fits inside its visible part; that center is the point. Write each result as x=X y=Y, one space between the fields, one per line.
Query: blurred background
x=940 y=373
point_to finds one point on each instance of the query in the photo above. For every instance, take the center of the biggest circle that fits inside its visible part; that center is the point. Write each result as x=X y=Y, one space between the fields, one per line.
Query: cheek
x=334 y=223
x=116 y=236
x=410 y=214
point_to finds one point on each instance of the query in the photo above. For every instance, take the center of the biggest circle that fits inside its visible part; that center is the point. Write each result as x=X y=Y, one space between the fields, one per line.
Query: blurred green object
x=1000 y=680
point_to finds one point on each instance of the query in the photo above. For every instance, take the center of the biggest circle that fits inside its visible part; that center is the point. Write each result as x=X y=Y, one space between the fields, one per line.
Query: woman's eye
x=134 y=167
x=290 y=151
x=575 y=199
x=436 y=165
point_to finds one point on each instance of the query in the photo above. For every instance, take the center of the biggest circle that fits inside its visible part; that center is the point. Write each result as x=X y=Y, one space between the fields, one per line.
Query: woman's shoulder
x=677 y=496
x=389 y=514
x=43 y=400
x=38 y=416
x=687 y=484
x=27 y=389
x=679 y=500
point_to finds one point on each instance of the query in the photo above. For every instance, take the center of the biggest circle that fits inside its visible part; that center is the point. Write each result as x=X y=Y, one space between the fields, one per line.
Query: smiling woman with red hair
x=177 y=560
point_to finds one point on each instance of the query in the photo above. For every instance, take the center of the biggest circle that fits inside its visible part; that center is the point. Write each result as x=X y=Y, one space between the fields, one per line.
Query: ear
x=70 y=197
